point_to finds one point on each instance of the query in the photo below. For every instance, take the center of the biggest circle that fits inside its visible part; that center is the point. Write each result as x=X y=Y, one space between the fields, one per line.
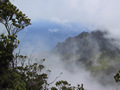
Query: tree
x=13 y=19
x=64 y=85
x=117 y=77
x=31 y=75
x=19 y=77
x=7 y=45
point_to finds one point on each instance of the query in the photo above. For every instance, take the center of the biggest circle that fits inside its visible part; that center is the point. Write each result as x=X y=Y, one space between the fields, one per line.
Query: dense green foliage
x=7 y=46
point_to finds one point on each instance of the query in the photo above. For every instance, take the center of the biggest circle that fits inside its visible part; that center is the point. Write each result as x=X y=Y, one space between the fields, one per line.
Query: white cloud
x=53 y=30
x=95 y=12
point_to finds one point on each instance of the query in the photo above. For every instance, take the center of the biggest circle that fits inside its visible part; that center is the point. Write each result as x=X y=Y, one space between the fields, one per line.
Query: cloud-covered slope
x=94 y=51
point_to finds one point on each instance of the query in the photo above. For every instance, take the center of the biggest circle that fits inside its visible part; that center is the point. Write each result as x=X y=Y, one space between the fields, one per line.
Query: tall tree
x=13 y=19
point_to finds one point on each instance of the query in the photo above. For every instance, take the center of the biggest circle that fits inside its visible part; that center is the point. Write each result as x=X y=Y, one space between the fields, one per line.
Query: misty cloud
x=53 y=30
x=101 y=13
x=74 y=75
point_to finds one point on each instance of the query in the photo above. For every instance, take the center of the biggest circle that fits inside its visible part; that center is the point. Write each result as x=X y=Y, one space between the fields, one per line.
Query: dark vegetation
x=17 y=72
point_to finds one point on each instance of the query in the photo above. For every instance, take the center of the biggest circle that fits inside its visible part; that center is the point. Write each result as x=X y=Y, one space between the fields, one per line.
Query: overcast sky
x=89 y=13
x=99 y=12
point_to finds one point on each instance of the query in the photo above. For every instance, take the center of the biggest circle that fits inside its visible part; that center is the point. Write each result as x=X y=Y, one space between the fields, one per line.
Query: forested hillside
x=93 y=51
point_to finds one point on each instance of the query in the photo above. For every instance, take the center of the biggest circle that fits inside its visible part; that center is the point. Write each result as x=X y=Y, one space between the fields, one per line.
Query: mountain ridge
x=94 y=51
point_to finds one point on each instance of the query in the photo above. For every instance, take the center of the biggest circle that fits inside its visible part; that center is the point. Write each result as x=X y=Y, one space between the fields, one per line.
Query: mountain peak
x=93 y=50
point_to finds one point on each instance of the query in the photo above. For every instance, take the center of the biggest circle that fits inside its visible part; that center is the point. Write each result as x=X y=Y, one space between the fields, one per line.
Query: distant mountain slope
x=98 y=54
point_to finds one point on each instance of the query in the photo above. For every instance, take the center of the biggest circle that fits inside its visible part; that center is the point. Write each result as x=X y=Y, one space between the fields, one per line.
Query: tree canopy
x=13 y=19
